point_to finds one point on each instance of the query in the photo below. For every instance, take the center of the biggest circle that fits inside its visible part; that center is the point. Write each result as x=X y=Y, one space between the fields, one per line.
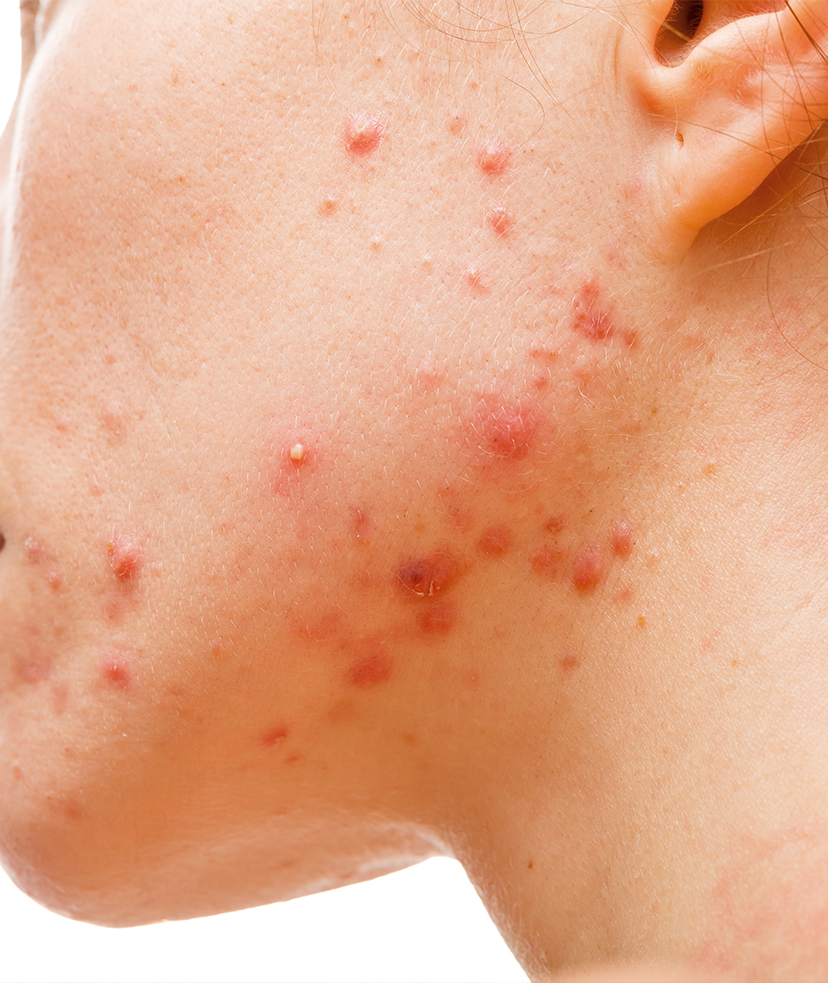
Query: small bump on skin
x=370 y=669
x=507 y=430
x=588 y=568
x=274 y=737
x=456 y=122
x=328 y=205
x=437 y=619
x=363 y=133
x=569 y=662
x=476 y=280
x=589 y=317
x=622 y=539
x=493 y=156
x=297 y=454
x=428 y=576
x=495 y=541
x=362 y=525
x=499 y=221
x=115 y=669
x=54 y=580
x=33 y=549
x=125 y=557
x=548 y=562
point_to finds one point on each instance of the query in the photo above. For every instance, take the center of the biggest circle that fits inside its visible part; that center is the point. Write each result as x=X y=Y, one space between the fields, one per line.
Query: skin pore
x=412 y=441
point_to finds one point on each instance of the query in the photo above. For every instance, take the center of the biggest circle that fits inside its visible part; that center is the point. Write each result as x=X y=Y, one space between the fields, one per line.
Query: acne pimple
x=115 y=669
x=495 y=541
x=590 y=317
x=125 y=556
x=328 y=205
x=362 y=525
x=274 y=736
x=507 y=429
x=428 y=576
x=362 y=133
x=370 y=669
x=476 y=280
x=493 y=156
x=499 y=221
x=33 y=549
x=32 y=670
x=437 y=619
x=298 y=453
x=622 y=539
x=588 y=568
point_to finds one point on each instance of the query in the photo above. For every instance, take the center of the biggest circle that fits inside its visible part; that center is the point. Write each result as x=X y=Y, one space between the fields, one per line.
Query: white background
x=423 y=924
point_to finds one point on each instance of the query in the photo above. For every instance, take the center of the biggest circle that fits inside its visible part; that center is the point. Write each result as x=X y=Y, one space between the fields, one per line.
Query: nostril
x=679 y=30
x=2 y=540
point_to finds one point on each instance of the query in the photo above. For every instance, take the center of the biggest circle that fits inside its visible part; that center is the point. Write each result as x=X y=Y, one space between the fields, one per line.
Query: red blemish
x=476 y=280
x=437 y=619
x=115 y=669
x=569 y=662
x=554 y=524
x=125 y=556
x=499 y=221
x=362 y=133
x=590 y=317
x=33 y=549
x=317 y=629
x=294 y=759
x=362 y=525
x=456 y=122
x=34 y=669
x=622 y=538
x=495 y=541
x=274 y=736
x=429 y=376
x=493 y=156
x=328 y=205
x=429 y=575
x=548 y=561
x=371 y=669
x=506 y=429
x=54 y=580
x=625 y=594
x=588 y=568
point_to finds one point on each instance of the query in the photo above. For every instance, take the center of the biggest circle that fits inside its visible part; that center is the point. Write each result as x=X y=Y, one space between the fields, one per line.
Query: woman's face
x=283 y=392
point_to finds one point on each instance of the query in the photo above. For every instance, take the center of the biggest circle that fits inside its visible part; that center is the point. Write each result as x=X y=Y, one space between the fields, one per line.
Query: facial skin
x=374 y=434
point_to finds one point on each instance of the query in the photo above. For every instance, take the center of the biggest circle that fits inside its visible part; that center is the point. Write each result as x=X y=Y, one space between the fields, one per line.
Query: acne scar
x=125 y=556
x=588 y=568
x=493 y=156
x=370 y=669
x=274 y=736
x=428 y=576
x=499 y=221
x=115 y=669
x=495 y=541
x=362 y=133
x=622 y=539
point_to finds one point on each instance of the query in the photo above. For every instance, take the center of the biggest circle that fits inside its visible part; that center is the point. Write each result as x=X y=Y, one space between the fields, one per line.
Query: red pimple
x=495 y=541
x=274 y=736
x=362 y=133
x=507 y=429
x=125 y=556
x=548 y=561
x=437 y=619
x=499 y=221
x=590 y=316
x=493 y=156
x=371 y=669
x=622 y=538
x=115 y=669
x=588 y=568
x=429 y=576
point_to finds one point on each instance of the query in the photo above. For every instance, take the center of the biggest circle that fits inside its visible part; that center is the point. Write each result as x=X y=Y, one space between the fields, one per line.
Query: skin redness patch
x=370 y=669
x=116 y=669
x=428 y=576
x=274 y=736
x=495 y=541
x=588 y=568
x=437 y=619
x=362 y=133
x=548 y=561
x=505 y=429
x=622 y=539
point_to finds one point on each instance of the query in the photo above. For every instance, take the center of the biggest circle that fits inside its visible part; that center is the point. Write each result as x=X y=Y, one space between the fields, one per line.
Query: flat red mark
x=430 y=575
x=588 y=568
x=495 y=541
x=370 y=669
x=456 y=122
x=569 y=662
x=328 y=205
x=32 y=670
x=274 y=736
x=363 y=133
x=318 y=628
x=362 y=525
x=499 y=221
x=506 y=429
x=554 y=524
x=590 y=316
x=116 y=669
x=548 y=561
x=493 y=156
x=54 y=580
x=437 y=619
x=622 y=539
x=125 y=556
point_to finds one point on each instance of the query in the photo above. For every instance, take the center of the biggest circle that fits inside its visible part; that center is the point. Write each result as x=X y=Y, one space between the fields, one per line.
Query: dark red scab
x=588 y=568
x=622 y=539
x=507 y=429
x=495 y=541
x=437 y=619
x=363 y=133
x=548 y=561
x=125 y=557
x=371 y=668
x=274 y=736
x=116 y=670
x=430 y=575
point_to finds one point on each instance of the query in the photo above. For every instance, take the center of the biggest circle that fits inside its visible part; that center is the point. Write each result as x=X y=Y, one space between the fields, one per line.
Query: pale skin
x=412 y=441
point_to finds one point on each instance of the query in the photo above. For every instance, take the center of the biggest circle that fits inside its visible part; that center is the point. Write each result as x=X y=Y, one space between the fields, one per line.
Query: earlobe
x=729 y=102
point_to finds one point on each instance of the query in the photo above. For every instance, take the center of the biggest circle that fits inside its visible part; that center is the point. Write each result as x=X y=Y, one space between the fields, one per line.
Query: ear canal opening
x=677 y=33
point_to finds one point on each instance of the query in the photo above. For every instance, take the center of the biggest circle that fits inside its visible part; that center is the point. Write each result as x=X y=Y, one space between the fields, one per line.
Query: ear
x=729 y=92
